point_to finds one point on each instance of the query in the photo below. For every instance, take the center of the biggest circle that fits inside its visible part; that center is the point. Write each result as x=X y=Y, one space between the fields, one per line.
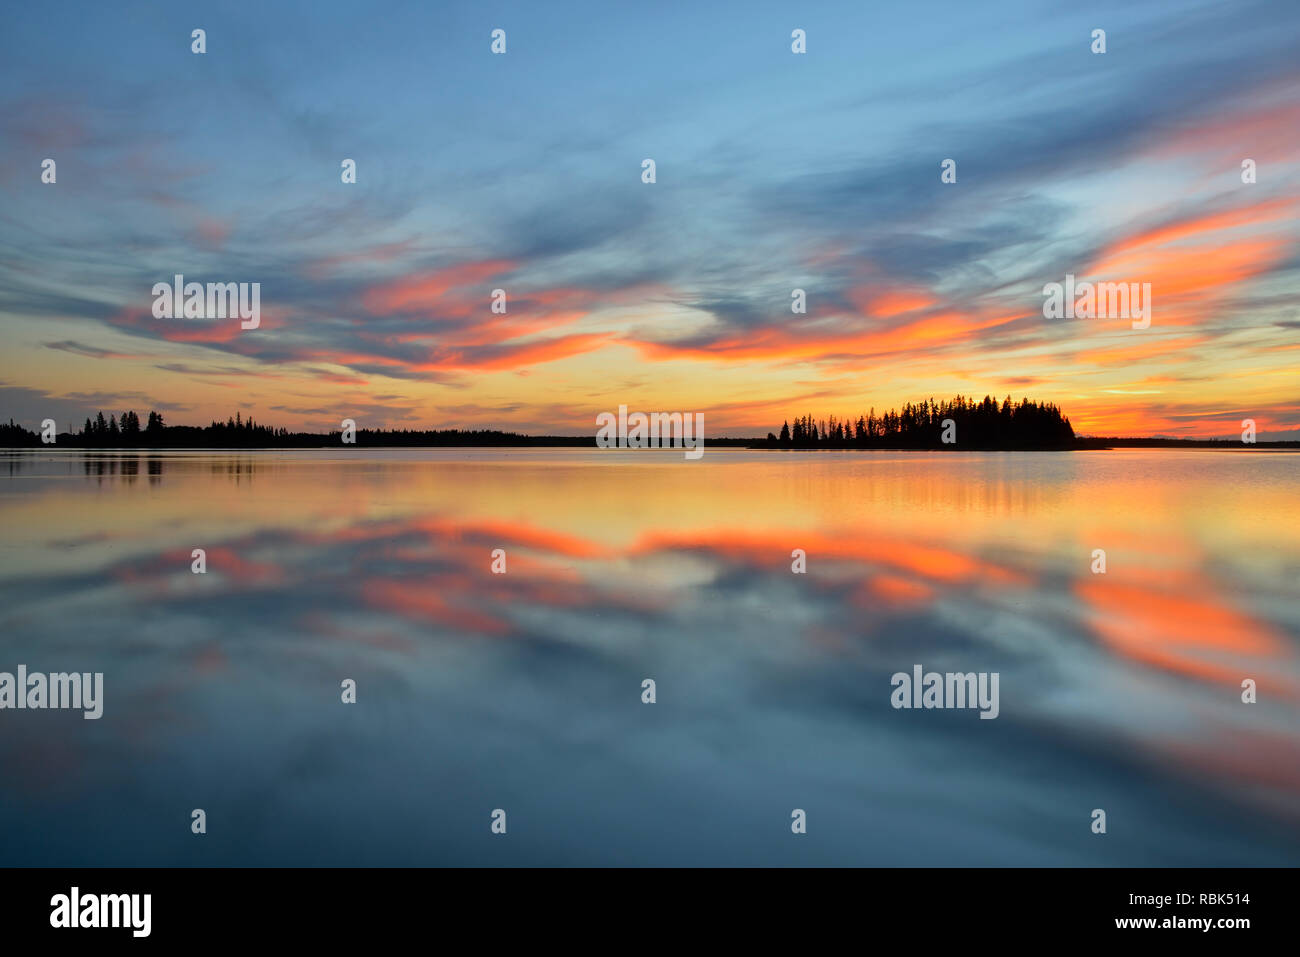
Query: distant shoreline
x=751 y=444
x=958 y=424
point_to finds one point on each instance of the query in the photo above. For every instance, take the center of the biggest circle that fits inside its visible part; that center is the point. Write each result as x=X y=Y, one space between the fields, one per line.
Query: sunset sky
x=775 y=171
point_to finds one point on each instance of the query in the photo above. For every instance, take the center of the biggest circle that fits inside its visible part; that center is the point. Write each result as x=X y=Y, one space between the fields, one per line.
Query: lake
x=522 y=691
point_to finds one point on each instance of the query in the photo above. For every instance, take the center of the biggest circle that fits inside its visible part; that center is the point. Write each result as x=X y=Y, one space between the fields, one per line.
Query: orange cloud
x=1193 y=263
x=426 y=291
x=870 y=302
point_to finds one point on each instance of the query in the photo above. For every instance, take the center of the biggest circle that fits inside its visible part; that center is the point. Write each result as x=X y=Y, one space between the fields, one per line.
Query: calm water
x=523 y=691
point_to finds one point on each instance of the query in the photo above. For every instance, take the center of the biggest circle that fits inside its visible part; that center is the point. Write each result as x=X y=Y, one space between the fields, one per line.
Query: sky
x=774 y=171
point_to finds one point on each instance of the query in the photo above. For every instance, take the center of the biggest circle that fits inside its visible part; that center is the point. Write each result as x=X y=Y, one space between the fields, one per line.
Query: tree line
x=125 y=431
x=971 y=424
x=974 y=425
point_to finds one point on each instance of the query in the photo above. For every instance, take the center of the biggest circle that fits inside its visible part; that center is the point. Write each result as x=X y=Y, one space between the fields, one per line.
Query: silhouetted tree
x=920 y=425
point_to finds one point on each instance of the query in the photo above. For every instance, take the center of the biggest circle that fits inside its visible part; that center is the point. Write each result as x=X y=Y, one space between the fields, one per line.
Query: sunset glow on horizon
x=775 y=172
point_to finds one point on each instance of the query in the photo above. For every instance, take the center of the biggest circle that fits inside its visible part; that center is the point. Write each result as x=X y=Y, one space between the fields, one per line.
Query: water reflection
x=101 y=465
x=522 y=690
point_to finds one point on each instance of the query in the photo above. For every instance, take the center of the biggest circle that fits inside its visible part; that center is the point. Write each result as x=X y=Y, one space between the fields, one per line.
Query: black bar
x=334 y=906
